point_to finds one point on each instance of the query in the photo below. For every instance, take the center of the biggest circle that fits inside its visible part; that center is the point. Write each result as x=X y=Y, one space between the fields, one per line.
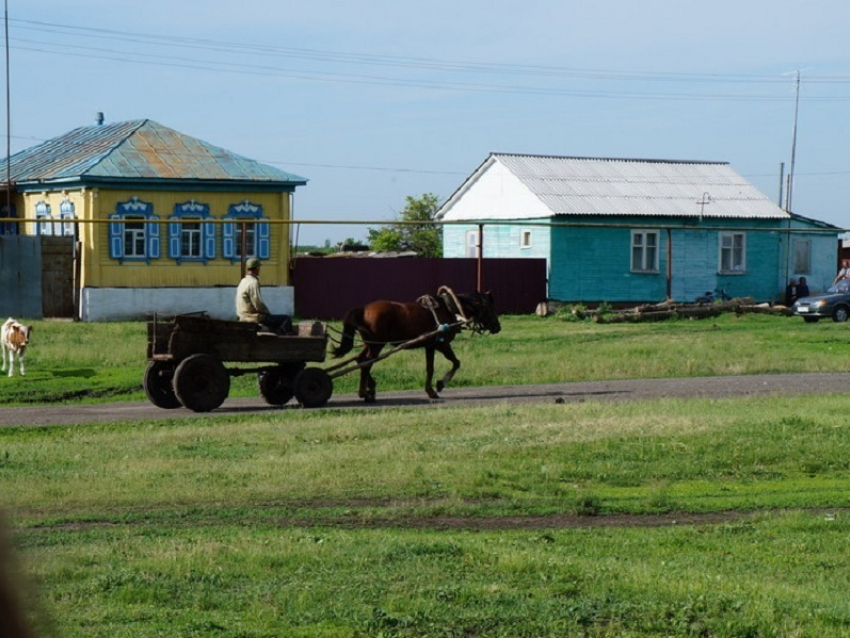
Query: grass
x=70 y=362
x=451 y=521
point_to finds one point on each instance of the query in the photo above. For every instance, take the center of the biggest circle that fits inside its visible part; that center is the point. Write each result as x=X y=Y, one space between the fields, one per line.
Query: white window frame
x=67 y=213
x=525 y=238
x=133 y=226
x=643 y=256
x=472 y=245
x=44 y=224
x=732 y=253
x=190 y=226
x=257 y=232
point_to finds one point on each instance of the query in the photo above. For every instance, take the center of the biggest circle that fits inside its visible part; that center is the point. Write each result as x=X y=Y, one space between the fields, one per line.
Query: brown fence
x=327 y=287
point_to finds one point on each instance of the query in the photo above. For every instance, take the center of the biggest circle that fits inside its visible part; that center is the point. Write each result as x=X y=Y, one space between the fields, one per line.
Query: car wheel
x=840 y=313
x=811 y=319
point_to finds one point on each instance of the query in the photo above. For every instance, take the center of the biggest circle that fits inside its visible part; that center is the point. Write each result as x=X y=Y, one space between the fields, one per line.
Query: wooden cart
x=187 y=356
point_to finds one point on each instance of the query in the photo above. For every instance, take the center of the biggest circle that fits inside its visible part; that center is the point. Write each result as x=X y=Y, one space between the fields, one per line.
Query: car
x=834 y=304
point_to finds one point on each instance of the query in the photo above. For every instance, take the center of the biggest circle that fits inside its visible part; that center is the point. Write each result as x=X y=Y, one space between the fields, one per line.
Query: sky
x=374 y=101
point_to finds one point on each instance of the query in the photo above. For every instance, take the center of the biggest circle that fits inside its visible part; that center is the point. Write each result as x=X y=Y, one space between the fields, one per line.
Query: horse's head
x=478 y=308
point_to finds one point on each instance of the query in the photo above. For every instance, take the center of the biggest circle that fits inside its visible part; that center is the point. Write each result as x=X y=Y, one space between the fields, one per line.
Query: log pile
x=696 y=310
x=674 y=309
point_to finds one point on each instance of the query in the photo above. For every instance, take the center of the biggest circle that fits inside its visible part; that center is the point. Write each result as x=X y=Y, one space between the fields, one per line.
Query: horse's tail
x=353 y=318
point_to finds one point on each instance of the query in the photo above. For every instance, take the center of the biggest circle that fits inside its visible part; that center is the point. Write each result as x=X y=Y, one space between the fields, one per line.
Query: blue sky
x=376 y=100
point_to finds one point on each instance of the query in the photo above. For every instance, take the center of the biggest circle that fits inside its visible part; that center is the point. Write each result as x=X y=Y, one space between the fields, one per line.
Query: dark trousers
x=280 y=324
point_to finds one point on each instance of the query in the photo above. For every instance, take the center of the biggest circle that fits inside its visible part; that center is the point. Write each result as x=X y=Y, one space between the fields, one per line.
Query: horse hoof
x=440 y=386
x=369 y=398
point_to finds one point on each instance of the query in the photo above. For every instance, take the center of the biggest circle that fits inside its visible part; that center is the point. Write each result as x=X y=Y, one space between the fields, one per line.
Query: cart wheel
x=158 y=387
x=277 y=386
x=313 y=387
x=201 y=383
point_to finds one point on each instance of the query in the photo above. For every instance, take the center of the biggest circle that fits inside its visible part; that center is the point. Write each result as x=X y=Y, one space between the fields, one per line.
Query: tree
x=414 y=229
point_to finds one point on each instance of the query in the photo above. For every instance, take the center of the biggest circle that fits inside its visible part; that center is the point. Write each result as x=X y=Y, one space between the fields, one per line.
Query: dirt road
x=627 y=390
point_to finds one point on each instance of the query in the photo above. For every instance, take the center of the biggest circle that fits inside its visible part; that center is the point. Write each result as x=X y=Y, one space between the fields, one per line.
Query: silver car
x=833 y=304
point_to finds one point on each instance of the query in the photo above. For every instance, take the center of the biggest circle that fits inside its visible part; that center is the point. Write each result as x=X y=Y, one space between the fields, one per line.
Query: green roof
x=139 y=152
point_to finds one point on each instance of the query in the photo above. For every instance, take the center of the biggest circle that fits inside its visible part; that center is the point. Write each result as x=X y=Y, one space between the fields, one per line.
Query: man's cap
x=251 y=263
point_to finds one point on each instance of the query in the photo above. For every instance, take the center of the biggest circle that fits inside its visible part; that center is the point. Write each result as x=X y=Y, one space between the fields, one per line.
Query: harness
x=451 y=302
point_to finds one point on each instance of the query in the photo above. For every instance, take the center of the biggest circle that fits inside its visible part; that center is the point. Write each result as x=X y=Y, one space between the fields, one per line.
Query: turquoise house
x=636 y=231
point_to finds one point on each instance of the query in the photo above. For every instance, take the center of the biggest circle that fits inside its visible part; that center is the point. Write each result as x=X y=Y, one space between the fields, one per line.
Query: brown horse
x=430 y=323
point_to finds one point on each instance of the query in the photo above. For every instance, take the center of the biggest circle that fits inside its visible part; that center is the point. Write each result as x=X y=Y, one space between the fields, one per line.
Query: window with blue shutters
x=191 y=236
x=8 y=228
x=44 y=225
x=245 y=219
x=68 y=214
x=133 y=233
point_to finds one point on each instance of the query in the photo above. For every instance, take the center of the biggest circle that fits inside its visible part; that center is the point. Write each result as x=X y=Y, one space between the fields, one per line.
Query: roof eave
x=149 y=184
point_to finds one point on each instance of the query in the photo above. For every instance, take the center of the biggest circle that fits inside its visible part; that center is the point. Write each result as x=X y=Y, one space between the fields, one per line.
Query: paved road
x=627 y=390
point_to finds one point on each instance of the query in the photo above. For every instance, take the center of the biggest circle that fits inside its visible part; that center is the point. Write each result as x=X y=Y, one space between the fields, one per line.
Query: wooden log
x=634 y=317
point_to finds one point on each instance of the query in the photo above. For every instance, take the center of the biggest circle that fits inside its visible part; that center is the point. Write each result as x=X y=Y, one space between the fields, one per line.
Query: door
x=57 y=276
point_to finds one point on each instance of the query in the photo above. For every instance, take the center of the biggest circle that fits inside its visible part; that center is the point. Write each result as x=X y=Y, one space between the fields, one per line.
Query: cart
x=187 y=355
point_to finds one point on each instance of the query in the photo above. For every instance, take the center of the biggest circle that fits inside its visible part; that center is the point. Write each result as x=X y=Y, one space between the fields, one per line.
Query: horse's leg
x=367 y=381
x=3 y=352
x=429 y=372
x=21 y=357
x=448 y=353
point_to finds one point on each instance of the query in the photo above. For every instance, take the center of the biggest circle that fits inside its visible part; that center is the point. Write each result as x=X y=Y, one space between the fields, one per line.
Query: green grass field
x=656 y=518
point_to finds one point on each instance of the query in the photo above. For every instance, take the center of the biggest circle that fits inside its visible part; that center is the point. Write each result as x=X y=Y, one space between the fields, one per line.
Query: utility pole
x=790 y=188
x=8 y=119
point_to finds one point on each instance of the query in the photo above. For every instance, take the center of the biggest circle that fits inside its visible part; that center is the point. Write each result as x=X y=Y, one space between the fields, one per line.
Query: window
x=66 y=213
x=525 y=238
x=8 y=228
x=190 y=237
x=256 y=240
x=44 y=226
x=472 y=243
x=645 y=251
x=733 y=248
x=802 y=255
x=132 y=236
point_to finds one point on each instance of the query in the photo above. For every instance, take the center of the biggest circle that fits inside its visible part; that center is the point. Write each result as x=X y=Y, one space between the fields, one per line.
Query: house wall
x=100 y=270
x=500 y=240
x=126 y=304
x=824 y=258
x=593 y=264
x=113 y=289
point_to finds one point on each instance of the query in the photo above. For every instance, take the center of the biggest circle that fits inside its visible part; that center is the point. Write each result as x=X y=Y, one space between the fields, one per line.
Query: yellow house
x=155 y=221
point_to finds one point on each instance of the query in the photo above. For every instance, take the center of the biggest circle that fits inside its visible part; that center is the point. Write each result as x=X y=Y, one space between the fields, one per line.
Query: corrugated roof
x=139 y=149
x=601 y=186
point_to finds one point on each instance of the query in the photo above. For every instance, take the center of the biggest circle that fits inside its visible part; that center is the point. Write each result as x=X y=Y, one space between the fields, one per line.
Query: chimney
x=99 y=118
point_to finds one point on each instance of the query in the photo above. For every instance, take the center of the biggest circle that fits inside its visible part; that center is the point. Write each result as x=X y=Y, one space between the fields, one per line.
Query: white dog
x=14 y=338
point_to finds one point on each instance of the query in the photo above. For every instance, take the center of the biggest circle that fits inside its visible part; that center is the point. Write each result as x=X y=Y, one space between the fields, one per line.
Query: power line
x=406 y=63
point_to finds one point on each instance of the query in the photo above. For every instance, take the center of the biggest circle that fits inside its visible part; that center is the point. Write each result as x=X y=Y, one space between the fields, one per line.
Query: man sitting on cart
x=249 y=302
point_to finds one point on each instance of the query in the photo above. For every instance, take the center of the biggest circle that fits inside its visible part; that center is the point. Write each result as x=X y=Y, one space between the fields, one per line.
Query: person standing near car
x=844 y=273
x=802 y=288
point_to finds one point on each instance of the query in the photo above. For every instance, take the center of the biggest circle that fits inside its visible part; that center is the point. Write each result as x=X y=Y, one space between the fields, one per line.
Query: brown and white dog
x=14 y=337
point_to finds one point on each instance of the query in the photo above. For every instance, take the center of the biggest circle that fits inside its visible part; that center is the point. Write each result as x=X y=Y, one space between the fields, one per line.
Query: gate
x=37 y=276
x=57 y=276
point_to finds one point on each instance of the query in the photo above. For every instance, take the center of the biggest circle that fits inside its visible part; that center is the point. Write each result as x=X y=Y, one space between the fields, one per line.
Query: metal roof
x=136 y=150
x=511 y=186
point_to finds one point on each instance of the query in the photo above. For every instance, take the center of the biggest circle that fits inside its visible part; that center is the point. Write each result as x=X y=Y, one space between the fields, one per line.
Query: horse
x=430 y=323
x=14 y=337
